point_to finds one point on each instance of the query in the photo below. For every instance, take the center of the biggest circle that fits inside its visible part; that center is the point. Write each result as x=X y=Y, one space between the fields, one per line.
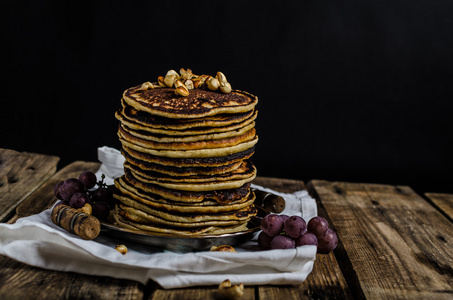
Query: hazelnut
x=182 y=91
x=189 y=84
x=87 y=209
x=199 y=82
x=121 y=249
x=161 y=82
x=221 y=77
x=213 y=84
x=178 y=83
x=227 y=291
x=186 y=74
x=223 y=248
x=172 y=72
x=225 y=87
x=169 y=80
x=146 y=86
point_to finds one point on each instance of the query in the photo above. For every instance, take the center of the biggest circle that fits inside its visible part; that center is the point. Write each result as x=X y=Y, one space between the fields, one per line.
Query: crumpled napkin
x=36 y=241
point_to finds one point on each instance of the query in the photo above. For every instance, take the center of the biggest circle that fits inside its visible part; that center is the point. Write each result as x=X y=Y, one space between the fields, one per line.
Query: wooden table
x=393 y=243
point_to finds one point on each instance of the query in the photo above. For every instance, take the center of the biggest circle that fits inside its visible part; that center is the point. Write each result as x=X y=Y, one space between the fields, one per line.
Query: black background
x=348 y=90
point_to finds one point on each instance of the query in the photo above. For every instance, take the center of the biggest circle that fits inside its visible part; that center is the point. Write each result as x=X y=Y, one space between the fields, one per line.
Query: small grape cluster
x=87 y=194
x=287 y=232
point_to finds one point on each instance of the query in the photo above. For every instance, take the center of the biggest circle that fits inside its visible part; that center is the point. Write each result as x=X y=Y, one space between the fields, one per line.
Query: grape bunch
x=87 y=194
x=287 y=232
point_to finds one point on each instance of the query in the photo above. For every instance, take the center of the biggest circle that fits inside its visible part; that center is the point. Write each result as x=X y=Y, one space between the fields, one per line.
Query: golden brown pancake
x=155 y=216
x=220 y=196
x=191 y=161
x=153 y=121
x=199 y=103
x=192 y=131
x=165 y=171
x=209 y=230
x=207 y=206
x=196 y=153
x=161 y=138
x=245 y=173
x=203 y=144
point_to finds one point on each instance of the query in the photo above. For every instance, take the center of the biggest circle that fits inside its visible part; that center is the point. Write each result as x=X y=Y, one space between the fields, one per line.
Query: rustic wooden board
x=19 y=281
x=393 y=243
x=20 y=174
x=443 y=201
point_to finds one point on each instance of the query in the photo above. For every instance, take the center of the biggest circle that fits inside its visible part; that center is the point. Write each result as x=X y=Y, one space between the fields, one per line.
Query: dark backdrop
x=349 y=90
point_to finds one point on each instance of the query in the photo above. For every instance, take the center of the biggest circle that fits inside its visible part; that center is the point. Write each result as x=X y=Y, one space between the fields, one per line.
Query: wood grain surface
x=443 y=202
x=394 y=242
x=20 y=174
x=21 y=281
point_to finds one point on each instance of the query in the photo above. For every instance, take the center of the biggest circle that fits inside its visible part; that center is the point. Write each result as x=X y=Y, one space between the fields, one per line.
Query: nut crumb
x=121 y=249
x=228 y=291
x=223 y=248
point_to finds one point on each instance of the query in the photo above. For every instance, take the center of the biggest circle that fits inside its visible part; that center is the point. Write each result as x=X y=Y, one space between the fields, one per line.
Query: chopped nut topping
x=121 y=249
x=86 y=209
x=223 y=248
x=182 y=91
x=213 y=84
x=227 y=291
x=186 y=81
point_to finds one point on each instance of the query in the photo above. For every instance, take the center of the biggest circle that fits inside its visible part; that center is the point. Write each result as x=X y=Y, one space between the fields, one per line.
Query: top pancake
x=200 y=103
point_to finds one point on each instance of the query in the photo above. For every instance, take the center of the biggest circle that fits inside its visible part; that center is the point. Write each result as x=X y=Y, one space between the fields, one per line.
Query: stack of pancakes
x=187 y=168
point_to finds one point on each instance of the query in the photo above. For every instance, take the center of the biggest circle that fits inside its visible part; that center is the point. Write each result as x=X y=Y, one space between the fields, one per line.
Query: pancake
x=157 y=122
x=161 y=138
x=220 y=196
x=169 y=206
x=199 y=103
x=197 y=153
x=187 y=168
x=246 y=173
x=152 y=215
x=210 y=230
x=192 y=131
x=244 y=170
x=202 y=144
x=190 y=161
x=165 y=171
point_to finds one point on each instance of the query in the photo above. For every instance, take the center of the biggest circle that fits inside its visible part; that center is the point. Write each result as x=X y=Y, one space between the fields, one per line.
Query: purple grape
x=328 y=242
x=284 y=217
x=88 y=179
x=272 y=224
x=318 y=226
x=103 y=194
x=101 y=210
x=282 y=242
x=307 y=238
x=70 y=187
x=264 y=240
x=56 y=190
x=78 y=200
x=295 y=226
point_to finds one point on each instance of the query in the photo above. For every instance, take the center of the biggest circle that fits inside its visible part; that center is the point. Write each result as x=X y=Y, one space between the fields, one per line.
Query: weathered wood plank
x=280 y=185
x=443 y=201
x=43 y=198
x=19 y=281
x=205 y=293
x=20 y=174
x=396 y=244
